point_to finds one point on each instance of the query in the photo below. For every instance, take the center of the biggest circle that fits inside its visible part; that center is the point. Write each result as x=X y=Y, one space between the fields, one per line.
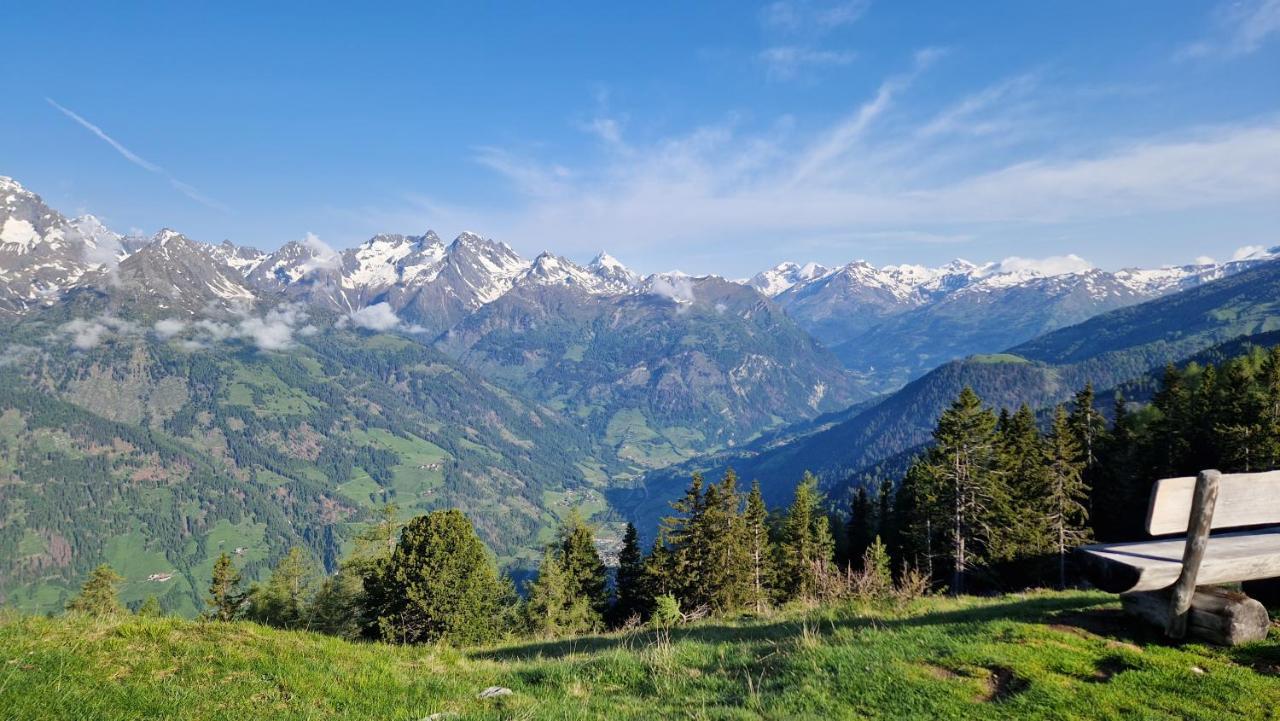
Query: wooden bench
x=1165 y=580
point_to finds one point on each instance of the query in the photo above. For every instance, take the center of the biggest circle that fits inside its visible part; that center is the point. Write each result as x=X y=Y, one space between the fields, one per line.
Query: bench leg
x=1215 y=615
x=1200 y=523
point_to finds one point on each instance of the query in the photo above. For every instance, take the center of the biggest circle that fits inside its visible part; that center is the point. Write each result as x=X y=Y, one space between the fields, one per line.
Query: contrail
x=184 y=188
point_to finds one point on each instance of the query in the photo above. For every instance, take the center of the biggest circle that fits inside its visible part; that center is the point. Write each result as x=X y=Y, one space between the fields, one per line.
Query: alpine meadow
x=326 y=390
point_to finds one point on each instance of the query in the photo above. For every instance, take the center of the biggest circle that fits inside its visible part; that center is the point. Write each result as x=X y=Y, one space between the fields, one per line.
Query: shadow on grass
x=1047 y=610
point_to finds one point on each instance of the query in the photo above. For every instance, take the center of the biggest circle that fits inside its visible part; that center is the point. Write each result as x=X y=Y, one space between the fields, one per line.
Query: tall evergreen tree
x=629 y=581
x=1018 y=524
x=584 y=571
x=720 y=540
x=439 y=583
x=807 y=548
x=226 y=600
x=284 y=600
x=760 y=550
x=553 y=608
x=1066 y=491
x=862 y=528
x=961 y=470
x=100 y=595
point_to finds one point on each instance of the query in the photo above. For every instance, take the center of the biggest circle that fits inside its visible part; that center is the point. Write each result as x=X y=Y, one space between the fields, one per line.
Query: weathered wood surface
x=1202 y=503
x=1244 y=499
x=1215 y=615
x=1154 y=565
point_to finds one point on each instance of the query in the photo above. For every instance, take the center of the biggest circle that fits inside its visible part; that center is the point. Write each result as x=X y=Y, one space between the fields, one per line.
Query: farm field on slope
x=1039 y=655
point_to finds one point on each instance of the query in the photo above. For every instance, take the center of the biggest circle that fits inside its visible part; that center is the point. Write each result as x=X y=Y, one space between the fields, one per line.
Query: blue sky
x=711 y=137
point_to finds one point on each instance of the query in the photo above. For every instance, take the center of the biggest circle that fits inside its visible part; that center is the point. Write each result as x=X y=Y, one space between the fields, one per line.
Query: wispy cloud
x=784 y=62
x=1239 y=28
x=856 y=181
x=185 y=188
x=797 y=29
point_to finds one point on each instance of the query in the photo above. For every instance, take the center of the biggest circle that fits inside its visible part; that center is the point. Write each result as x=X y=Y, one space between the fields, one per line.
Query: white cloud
x=185 y=188
x=379 y=316
x=1249 y=251
x=784 y=62
x=87 y=333
x=167 y=328
x=674 y=287
x=1239 y=28
x=802 y=16
x=1204 y=260
x=323 y=256
x=1053 y=265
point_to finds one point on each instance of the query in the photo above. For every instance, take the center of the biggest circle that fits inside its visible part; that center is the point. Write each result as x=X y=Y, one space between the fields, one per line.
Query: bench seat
x=1154 y=565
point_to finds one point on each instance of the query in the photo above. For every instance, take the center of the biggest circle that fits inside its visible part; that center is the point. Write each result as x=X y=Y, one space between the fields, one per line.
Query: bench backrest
x=1244 y=499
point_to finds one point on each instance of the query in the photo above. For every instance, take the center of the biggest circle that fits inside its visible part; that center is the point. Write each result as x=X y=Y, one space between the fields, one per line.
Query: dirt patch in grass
x=1109 y=667
x=1002 y=684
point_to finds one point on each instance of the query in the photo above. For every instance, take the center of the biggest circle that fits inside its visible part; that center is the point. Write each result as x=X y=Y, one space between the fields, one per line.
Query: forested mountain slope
x=158 y=447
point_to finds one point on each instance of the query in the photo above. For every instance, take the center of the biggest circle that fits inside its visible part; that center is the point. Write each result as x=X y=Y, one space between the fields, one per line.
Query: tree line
x=997 y=501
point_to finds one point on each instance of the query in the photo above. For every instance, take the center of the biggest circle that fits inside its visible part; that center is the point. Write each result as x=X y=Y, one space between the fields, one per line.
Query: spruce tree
x=439 y=583
x=552 y=608
x=584 y=571
x=862 y=526
x=1066 y=492
x=99 y=596
x=680 y=533
x=629 y=581
x=961 y=472
x=1019 y=527
x=760 y=550
x=226 y=600
x=807 y=547
x=283 y=601
x=719 y=539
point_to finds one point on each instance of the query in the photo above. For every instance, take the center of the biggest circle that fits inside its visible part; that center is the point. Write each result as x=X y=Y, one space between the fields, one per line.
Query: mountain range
x=163 y=399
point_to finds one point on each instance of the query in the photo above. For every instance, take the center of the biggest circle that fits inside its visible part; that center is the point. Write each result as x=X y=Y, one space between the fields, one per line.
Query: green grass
x=990 y=358
x=1035 y=656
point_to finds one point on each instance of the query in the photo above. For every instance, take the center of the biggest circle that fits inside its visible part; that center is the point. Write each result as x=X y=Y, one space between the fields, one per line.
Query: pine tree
x=553 y=608
x=1240 y=422
x=283 y=601
x=99 y=596
x=719 y=539
x=339 y=606
x=683 y=567
x=226 y=601
x=585 y=572
x=150 y=608
x=1066 y=492
x=807 y=547
x=1089 y=427
x=1019 y=526
x=961 y=468
x=439 y=583
x=759 y=550
x=862 y=526
x=629 y=581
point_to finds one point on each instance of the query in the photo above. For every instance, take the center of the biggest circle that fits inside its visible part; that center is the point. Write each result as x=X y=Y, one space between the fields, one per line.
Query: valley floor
x=1031 y=656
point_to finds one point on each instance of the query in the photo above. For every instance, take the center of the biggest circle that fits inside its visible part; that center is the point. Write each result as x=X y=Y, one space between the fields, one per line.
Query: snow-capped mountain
x=780 y=277
x=174 y=274
x=42 y=253
x=893 y=323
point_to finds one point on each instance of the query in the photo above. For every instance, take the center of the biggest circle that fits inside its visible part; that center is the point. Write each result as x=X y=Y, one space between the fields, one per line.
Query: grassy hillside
x=1035 y=656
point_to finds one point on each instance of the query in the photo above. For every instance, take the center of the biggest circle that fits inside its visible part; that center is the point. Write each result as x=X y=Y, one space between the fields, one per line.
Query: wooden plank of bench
x=1244 y=499
x=1153 y=565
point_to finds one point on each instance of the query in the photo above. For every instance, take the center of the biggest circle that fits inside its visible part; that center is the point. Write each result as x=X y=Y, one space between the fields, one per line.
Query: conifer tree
x=961 y=468
x=862 y=526
x=283 y=601
x=659 y=569
x=226 y=600
x=99 y=596
x=1019 y=527
x=759 y=550
x=553 y=608
x=439 y=583
x=585 y=573
x=150 y=608
x=1240 y=419
x=629 y=581
x=807 y=547
x=683 y=569
x=719 y=540
x=1066 y=492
